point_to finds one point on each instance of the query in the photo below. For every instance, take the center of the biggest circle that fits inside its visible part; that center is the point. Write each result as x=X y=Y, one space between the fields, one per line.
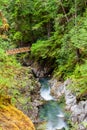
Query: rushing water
x=50 y=111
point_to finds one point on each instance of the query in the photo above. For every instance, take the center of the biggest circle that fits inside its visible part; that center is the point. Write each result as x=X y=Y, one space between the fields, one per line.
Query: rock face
x=78 y=110
x=40 y=71
x=69 y=97
x=79 y=114
x=13 y=119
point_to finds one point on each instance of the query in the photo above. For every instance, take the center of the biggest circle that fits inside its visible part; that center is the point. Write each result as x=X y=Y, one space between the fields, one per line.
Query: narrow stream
x=50 y=111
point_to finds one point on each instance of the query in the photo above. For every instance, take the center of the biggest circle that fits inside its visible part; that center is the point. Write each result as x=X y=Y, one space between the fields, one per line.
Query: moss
x=61 y=101
x=42 y=126
x=13 y=119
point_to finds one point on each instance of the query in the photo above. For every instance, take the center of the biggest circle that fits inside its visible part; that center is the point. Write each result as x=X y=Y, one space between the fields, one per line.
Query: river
x=50 y=111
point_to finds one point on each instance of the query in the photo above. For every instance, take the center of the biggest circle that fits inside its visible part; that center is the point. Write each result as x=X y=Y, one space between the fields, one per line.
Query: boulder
x=57 y=89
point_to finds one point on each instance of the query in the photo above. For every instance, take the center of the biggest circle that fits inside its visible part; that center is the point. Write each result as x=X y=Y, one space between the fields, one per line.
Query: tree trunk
x=78 y=55
x=48 y=29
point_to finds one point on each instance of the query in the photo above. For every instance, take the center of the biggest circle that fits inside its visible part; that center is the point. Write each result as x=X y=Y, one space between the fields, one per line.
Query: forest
x=56 y=33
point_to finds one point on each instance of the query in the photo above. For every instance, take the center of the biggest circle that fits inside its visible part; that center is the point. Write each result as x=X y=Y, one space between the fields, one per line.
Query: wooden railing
x=17 y=50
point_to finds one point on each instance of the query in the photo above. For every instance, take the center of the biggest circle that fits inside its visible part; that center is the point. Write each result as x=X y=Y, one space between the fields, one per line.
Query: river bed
x=50 y=111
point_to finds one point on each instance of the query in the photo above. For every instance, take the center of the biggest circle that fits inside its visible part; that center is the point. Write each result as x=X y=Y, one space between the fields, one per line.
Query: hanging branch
x=64 y=11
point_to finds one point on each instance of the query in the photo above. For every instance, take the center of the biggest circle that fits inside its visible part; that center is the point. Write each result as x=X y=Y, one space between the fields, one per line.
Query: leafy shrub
x=79 y=78
x=8 y=67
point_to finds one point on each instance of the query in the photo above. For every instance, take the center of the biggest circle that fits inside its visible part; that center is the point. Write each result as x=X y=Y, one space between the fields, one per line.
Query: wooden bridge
x=17 y=50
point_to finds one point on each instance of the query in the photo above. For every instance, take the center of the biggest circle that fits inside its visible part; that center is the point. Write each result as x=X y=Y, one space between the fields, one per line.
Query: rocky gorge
x=77 y=110
x=27 y=98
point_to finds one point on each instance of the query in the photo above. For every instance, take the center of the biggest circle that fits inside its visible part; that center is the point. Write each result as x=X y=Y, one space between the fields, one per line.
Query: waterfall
x=45 y=93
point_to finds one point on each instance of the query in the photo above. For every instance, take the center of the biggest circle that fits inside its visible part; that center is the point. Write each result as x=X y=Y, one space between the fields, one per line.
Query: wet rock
x=57 y=89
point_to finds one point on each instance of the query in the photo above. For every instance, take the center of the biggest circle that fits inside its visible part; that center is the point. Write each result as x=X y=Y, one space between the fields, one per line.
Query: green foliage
x=7 y=66
x=3 y=4
x=20 y=16
x=84 y=124
x=15 y=81
x=79 y=78
x=73 y=126
x=79 y=33
x=68 y=51
x=58 y=30
x=17 y=36
x=39 y=49
x=31 y=18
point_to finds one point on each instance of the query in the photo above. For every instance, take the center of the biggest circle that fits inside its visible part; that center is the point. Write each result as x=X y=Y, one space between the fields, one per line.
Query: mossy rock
x=13 y=119
x=42 y=126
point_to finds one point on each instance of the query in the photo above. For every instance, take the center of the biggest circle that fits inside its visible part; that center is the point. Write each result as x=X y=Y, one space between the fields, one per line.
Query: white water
x=45 y=94
x=56 y=126
x=51 y=111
